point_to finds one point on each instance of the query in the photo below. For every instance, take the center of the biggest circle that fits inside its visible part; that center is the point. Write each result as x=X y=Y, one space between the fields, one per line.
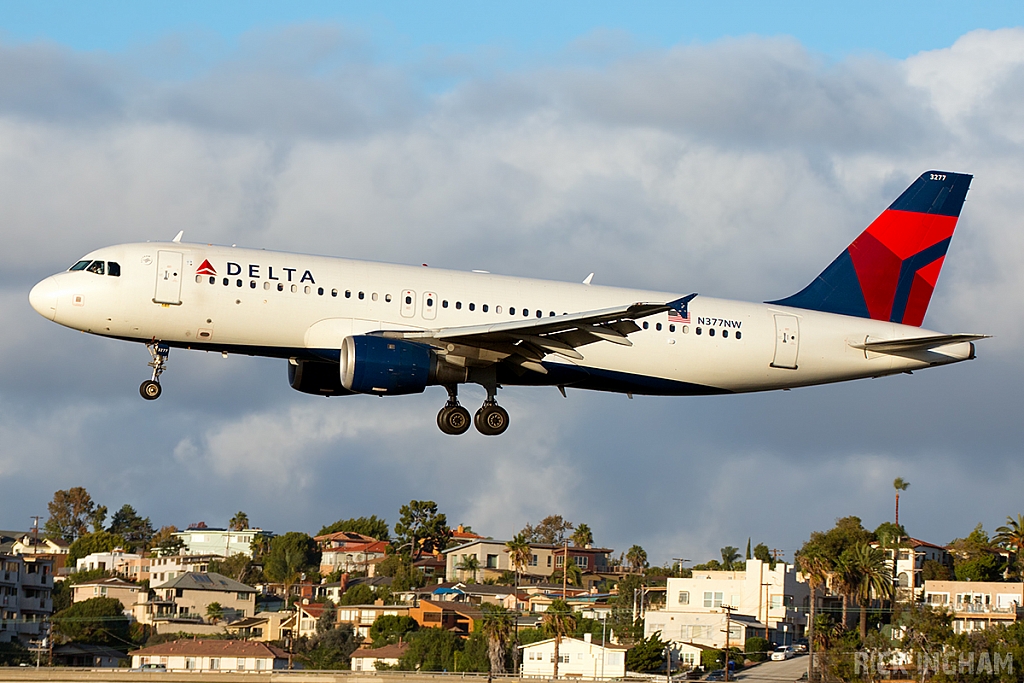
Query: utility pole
x=565 y=569
x=728 y=627
x=35 y=533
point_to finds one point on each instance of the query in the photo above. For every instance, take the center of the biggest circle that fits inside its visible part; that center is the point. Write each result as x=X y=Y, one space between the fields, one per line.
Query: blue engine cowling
x=376 y=365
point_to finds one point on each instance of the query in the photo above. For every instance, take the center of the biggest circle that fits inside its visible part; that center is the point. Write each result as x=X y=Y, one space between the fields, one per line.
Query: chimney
x=461 y=529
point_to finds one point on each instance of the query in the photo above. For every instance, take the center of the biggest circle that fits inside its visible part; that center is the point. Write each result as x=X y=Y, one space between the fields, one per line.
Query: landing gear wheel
x=453 y=420
x=491 y=419
x=150 y=390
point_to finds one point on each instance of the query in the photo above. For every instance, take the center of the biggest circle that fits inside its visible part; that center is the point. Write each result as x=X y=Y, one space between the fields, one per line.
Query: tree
x=637 y=557
x=165 y=543
x=291 y=556
x=431 y=649
x=647 y=655
x=817 y=569
x=359 y=594
x=136 y=531
x=550 y=530
x=239 y=567
x=730 y=554
x=762 y=553
x=497 y=628
x=371 y=526
x=99 y=621
x=756 y=648
x=240 y=522
x=388 y=629
x=214 y=612
x=899 y=484
x=471 y=564
x=871 y=579
x=70 y=511
x=975 y=558
x=1011 y=537
x=331 y=649
x=327 y=619
x=582 y=536
x=558 y=621
x=422 y=528
x=98 y=516
x=573 y=574
x=96 y=542
x=404 y=575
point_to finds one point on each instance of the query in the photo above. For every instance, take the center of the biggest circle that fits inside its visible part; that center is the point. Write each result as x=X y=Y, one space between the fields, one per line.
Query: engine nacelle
x=377 y=365
x=316 y=377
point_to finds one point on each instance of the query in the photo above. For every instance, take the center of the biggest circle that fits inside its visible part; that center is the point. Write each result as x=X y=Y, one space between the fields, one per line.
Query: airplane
x=355 y=327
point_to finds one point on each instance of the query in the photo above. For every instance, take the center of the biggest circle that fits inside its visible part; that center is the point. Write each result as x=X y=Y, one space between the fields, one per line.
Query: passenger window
x=512 y=310
x=444 y=304
x=295 y=288
x=497 y=309
x=280 y=286
x=725 y=334
x=472 y=307
x=387 y=298
x=551 y=314
x=671 y=328
x=199 y=279
x=408 y=300
x=213 y=280
x=266 y=285
x=686 y=329
x=484 y=308
x=539 y=313
x=252 y=284
x=374 y=296
x=430 y=301
x=739 y=335
x=238 y=283
x=362 y=296
x=697 y=331
x=645 y=325
x=458 y=305
x=348 y=293
x=226 y=282
x=113 y=269
x=526 y=312
x=320 y=291
x=334 y=292
x=711 y=332
x=309 y=289
x=657 y=326
x=96 y=267
x=80 y=265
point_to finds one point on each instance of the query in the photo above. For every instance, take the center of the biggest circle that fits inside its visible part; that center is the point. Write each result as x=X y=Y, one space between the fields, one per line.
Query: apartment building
x=26 y=583
x=492 y=560
x=977 y=605
x=221 y=542
x=761 y=599
x=906 y=563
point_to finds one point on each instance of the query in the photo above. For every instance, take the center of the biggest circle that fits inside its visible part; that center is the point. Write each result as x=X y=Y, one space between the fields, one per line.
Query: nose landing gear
x=453 y=418
x=150 y=389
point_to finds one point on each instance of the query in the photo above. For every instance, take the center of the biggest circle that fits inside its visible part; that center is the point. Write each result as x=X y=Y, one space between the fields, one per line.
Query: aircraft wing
x=917 y=343
x=526 y=342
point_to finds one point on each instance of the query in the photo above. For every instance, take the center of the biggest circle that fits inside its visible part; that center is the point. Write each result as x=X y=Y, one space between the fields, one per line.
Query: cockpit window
x=96 y=267
x=113 y=268
x=80 y=265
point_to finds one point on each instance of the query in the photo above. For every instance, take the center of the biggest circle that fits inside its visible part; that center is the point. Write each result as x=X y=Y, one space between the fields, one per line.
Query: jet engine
x=316 y=377
x=377 y=365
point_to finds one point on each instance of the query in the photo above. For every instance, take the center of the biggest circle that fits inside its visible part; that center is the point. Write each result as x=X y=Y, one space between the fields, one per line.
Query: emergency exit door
x=787 y=341
x=168 y=277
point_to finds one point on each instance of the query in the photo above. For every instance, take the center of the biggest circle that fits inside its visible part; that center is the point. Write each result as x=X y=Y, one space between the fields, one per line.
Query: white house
x=223 y=542
x=111 y=561
x=909 y=563
x=368 y=659
x=212 y=655
x=759 y=598
x=577 y=659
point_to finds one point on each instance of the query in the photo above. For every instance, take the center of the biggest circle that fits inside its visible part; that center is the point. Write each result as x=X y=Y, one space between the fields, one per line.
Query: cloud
x=737 y=169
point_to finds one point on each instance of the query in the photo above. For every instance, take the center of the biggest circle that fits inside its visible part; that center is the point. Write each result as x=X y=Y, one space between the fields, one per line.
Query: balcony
x=974 y=608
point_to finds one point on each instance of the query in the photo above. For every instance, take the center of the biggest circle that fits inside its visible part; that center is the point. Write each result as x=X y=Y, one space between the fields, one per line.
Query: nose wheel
x=150 y=389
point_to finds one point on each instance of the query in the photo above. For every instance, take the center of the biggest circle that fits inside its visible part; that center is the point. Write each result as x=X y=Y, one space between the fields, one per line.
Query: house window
x=582 y=561
x=190 y=662
x=684 y=597
x=559 y=561
x=492 y=561
x=240 y=664
x=533 y=560
x=712 y=599
x=214 y=663
x=241 y=596
x=549 y=560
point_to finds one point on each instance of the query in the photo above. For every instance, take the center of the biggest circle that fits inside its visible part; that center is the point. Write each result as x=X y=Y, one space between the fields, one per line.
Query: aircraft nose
x=43 y=298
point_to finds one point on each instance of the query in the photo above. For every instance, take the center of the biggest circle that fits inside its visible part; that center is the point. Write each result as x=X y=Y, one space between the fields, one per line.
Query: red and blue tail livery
x=890 y=270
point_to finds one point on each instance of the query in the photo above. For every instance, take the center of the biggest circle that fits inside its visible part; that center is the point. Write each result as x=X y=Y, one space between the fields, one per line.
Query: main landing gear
x=490 y=420
x=150 y=389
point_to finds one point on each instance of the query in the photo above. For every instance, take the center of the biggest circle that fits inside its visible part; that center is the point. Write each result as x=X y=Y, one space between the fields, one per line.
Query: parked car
x=800 y=645
x=152 y=667
x=783 y=652
x=716 y=675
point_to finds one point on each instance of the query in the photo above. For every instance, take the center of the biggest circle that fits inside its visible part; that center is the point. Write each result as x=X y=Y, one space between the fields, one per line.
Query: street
x=773 y=672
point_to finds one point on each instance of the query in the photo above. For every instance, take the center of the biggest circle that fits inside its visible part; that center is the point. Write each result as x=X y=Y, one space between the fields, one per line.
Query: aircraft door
x=168 y=277
x=408 y=303
x=429 y=305
x=787 y=341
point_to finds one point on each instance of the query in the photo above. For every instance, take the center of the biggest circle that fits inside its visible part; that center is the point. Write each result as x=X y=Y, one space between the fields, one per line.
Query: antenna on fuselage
x=177 y=238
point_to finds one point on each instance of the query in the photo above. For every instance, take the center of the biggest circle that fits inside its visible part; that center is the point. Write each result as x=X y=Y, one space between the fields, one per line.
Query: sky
x=731 y=148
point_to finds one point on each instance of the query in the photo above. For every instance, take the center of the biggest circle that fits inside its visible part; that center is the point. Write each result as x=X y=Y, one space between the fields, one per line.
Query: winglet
x=177 y=238
x=587 y=280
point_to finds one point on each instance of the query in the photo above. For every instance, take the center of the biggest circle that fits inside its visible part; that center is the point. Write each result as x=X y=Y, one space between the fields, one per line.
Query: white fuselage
x=297 y=306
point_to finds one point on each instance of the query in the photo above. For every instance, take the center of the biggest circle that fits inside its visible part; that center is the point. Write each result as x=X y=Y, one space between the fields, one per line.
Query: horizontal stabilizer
x=917 y=343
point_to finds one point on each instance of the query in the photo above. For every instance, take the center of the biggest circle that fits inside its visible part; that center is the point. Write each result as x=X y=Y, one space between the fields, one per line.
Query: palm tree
x=843 y=579
x=582 y=536
x=519 y=554
x=240 y=522
x=872 y=579
x=729 y=557
x=469 y=563
x=497 y=628
x=1011 y=537
x=900 y=485
x=637 y=557
x=816 y=569
x=558 y=621
x=573 y=574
